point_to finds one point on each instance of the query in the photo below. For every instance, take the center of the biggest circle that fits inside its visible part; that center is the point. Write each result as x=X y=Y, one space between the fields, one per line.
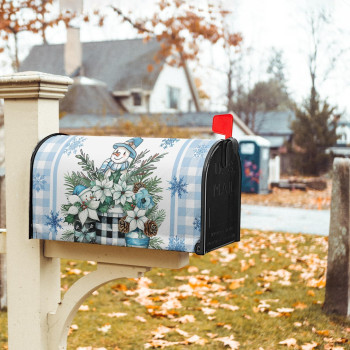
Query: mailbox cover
x=169 y=194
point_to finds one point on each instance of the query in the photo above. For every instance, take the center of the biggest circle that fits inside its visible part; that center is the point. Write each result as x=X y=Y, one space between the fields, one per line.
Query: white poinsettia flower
x=123 y=193
x=136 y=218
x=88 y=209
x=103 y=189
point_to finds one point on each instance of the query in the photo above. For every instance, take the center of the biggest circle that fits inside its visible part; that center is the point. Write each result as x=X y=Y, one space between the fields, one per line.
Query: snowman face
x=120 y=155
x=86 y=196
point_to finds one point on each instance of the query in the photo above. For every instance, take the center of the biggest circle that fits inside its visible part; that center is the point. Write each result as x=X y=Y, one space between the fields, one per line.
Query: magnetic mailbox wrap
x=169 y=194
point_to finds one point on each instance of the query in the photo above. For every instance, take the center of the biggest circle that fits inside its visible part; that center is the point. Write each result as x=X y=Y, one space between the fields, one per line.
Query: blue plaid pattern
x=185 y=209
x=41 y=199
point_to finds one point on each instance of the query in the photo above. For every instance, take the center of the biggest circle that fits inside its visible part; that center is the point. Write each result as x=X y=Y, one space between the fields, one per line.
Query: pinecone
x=123 y=225
x=137 y=186
x=151 y=228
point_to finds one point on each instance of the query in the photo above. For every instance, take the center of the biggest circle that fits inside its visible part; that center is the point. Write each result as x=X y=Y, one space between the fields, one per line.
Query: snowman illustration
x=119 y=160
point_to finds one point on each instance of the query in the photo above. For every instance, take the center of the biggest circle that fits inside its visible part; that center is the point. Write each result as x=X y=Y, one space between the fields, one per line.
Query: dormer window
x=137 y=98
x=173 y=97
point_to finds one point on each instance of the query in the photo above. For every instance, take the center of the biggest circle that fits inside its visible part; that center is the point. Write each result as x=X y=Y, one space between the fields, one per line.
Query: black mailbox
x=169 y=194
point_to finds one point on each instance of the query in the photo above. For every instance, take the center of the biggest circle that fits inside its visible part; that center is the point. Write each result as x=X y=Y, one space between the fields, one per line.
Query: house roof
x=89 y=96
x=274 y=122
x=183 y=120
x=121 y=64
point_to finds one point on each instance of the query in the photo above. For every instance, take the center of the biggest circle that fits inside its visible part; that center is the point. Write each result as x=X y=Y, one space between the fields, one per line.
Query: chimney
x=73 y=53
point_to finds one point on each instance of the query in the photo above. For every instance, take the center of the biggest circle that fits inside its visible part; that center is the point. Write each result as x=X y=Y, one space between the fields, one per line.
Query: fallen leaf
x=116 y=314
x=299 y=305
x=229 y=341
x=289 y=342
x=140 y=318
x=84 y=308
x=208 y=311
x=185 y=319
x=309 y=346
x=105 y=328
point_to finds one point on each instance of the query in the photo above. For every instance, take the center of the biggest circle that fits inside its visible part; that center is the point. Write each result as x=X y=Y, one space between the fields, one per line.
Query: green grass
x=263 y=254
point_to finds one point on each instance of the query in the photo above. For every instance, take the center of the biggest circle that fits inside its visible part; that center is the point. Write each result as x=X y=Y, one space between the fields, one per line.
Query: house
x=275 y=126
x=123 y=72
x=342 y=149
x=198 y=123
x=113 y=81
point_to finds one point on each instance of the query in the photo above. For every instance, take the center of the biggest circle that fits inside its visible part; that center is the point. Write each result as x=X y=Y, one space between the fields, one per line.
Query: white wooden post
x=33 y=281
x=37 y=317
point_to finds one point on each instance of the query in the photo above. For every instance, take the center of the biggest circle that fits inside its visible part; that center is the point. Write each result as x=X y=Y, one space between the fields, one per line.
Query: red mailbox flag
x=222 y=124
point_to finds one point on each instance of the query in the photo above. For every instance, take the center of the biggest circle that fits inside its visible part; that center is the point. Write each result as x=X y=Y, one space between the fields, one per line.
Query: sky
x=264 y=24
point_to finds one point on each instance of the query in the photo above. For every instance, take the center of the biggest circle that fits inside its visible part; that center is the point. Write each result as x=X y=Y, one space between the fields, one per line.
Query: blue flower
x=143 y=199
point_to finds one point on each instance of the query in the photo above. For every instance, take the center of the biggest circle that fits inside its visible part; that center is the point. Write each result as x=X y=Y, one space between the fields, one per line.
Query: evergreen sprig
x=88 y=165
x=145 y=169
x=152 y=186
x=155 y=243
x=74 y=179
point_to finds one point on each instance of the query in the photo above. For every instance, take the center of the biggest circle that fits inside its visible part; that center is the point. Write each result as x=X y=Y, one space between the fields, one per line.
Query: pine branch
x=155 y=243
x=152 y=186
x=74 y=179
x=88 y=165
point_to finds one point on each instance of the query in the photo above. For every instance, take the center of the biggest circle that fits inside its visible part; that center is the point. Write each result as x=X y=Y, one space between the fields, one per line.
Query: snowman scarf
x=109 y=164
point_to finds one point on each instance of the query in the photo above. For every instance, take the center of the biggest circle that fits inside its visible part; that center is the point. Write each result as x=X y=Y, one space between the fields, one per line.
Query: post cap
x=25 y=85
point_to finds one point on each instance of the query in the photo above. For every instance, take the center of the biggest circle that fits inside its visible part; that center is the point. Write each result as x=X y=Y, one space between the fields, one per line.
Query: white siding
x=175 y=77
x=344 y=132
x=237 y=133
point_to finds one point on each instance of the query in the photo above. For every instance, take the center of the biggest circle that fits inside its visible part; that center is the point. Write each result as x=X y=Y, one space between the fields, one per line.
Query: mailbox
x=255 y=156
x=169 y=194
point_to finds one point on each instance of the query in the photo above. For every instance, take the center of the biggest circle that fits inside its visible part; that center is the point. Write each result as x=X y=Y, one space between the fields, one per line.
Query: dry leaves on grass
x=229 y=341
x=290 y=342
x=105 y=328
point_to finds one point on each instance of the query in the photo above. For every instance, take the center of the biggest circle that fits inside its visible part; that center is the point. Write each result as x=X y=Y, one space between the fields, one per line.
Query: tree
x=316 y=121
x=34 y=16
x=314 y=131
x=263 y=96
x=180 y=28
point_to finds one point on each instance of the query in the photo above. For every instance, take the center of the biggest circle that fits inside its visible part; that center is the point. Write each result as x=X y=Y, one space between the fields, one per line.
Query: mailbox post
x=31 y=112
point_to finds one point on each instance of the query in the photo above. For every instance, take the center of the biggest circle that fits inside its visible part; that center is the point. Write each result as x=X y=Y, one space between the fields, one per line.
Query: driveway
x=293 y=220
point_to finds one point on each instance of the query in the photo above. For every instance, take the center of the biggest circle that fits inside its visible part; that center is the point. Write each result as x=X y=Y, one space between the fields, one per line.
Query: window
x=173 y=97
x=137 y=100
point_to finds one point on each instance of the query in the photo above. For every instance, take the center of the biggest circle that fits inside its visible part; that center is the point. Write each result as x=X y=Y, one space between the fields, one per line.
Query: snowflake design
x=53 y=221
x=177 y=186
x=168 y=143
x=197 y=223
x=39 y=182
x=74 y=145
x=201 y=151
x=176 y=243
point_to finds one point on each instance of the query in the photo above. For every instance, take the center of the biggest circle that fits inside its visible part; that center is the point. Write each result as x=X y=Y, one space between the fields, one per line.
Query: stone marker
x=338 y=270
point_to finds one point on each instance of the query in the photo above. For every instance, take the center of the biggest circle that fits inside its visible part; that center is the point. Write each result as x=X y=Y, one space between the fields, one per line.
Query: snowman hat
x=79 y=190
x=130 y=145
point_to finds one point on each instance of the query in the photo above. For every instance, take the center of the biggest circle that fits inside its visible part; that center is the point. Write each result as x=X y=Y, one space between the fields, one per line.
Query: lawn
x=267 y=289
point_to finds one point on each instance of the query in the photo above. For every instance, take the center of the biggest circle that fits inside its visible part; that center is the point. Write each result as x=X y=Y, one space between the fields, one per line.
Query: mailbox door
x=221 y=197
